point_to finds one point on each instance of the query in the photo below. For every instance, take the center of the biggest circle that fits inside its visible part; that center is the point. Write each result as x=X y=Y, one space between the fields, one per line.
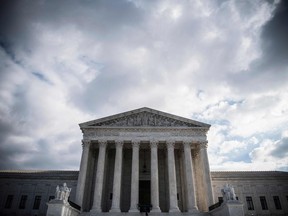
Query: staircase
x=143 y=214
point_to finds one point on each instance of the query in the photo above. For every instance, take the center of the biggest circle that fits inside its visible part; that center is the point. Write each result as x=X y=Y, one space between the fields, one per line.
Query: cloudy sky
x=220 y=62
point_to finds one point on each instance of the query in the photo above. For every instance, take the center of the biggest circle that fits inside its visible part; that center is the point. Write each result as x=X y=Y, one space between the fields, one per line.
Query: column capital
x=203 y=145
x=170 y=144
x=119 y=143
x=86 y=143
x=153 y=144
x=187 y=144
x=135 y=143
x=102 y=143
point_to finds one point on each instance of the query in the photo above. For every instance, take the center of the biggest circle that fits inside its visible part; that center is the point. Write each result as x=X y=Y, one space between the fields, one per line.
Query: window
x=249 y=201
x=277 y=202
x=263 y=203
x=22 y=203
x=9 y=201
x=37 y=202
x=51 y=197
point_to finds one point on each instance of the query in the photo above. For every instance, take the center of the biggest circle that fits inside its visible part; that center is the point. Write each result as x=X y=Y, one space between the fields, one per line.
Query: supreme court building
x=145 y=157
x=138 y=159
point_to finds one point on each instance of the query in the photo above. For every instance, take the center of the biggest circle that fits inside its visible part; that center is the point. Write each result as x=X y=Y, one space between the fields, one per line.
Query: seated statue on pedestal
x=228 y=193
x=62 y=193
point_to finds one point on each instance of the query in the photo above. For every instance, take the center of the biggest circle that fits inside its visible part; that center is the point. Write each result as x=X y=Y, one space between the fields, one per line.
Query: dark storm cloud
x=274 y=43
x=5 y=129
x=18 y=17
x=8 y=150
x=104 y=90
x=270 y=71
x=47 y=159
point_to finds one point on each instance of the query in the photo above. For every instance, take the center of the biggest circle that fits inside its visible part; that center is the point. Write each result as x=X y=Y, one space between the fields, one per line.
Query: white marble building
x=143 y=156
x=150 y=156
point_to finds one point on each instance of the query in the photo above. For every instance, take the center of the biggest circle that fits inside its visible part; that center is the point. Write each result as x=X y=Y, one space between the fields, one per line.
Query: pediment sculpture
x=145 y=119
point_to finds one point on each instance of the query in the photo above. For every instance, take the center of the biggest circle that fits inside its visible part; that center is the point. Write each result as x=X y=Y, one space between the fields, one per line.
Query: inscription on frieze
x=139 y=134
x=140 y=131
x=145 y=119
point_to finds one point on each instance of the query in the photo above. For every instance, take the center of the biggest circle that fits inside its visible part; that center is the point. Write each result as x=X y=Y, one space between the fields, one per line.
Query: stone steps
x=143 y=214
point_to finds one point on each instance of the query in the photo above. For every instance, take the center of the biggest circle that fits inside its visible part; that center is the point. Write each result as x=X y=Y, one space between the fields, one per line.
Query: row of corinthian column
x=189 y=178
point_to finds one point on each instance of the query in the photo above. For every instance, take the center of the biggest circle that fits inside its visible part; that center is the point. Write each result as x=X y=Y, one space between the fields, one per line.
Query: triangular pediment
x=144 y=117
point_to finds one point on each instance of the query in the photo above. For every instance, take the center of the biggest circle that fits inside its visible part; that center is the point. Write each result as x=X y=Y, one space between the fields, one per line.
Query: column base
x=193 y=210
x=133 y=210
x=156 y=209
x=96 y=210
x=175 y=209
x=115 y=210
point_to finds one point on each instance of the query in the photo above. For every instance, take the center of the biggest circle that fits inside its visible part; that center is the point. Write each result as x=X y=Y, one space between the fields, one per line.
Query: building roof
x=144 y=117
x=39 y=174
x=218 y=175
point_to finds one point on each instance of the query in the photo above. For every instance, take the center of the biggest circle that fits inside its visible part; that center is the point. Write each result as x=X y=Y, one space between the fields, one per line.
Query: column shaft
x=117 y=177
x=83 y=172
x=172 y=178
x=135 y=177
x=191 y=199
x=99 y=177
x=154 y=177
x=206 y=175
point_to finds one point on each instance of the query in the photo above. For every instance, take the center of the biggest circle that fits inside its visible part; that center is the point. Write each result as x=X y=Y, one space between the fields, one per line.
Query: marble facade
x=175 y=149
x=144 y=157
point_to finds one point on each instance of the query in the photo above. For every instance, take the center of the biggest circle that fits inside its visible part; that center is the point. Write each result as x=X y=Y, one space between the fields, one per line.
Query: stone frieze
x=140 y=132
x=145 y=119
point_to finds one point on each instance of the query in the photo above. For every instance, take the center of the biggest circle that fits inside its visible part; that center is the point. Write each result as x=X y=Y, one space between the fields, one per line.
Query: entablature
x=160 y=134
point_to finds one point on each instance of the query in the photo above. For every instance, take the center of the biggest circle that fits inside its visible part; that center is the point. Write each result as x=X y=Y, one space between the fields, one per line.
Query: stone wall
x=43 y=183
x=32 y=184
x=255 y=185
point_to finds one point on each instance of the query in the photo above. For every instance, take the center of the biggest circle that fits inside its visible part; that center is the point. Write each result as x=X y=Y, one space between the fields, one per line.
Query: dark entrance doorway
x=144 y=195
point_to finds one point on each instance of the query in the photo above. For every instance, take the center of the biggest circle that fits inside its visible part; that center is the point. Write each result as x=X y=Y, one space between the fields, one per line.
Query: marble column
x=206 y=174
x=83 y=172
x=191 y=199
x=135 y=177
x=154 y=177
x=99 y=177
x=117 y=177
x=172 y=178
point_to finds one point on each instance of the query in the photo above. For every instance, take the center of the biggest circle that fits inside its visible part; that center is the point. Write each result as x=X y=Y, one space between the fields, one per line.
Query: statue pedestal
x=229 y=208
x=61 y=208
x=56 y=207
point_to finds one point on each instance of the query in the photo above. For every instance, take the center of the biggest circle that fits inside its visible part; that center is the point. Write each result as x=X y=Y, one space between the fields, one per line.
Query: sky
x=221 y=62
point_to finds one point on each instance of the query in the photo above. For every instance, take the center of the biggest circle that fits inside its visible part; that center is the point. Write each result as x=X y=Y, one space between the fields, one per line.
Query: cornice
x=247 y=175
x=39 y=174
x=144 y=128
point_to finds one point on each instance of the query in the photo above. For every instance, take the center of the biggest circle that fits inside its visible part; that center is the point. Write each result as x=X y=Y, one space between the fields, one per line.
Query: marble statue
x=62 y=193
x=228 y=193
